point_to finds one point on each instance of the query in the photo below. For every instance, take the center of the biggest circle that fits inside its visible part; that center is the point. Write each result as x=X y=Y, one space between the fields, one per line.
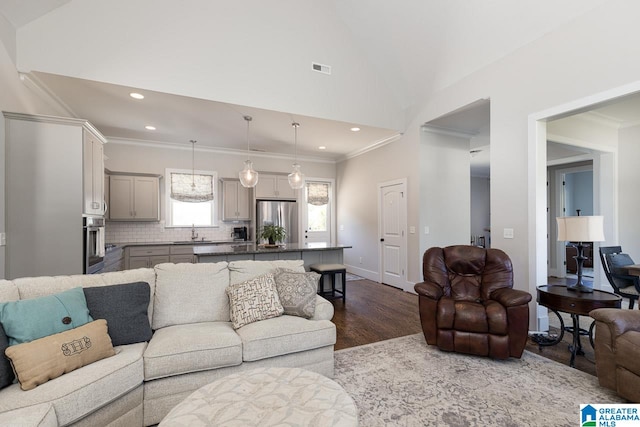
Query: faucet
x=194 y=235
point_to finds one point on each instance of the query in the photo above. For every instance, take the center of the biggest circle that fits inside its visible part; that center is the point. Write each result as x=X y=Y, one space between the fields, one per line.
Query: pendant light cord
x=193 y=162
x=295 y=129
x=248 y=119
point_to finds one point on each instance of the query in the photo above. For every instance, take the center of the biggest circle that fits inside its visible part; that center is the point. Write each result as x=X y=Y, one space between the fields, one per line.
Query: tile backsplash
x=143 y=232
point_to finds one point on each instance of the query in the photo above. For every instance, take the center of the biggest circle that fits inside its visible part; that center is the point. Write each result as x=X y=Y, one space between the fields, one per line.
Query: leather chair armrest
x=429 y=290
x=619 y=321
x=509 y=297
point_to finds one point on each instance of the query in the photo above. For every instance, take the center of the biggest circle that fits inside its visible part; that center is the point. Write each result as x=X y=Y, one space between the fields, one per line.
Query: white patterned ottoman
x=267 y=397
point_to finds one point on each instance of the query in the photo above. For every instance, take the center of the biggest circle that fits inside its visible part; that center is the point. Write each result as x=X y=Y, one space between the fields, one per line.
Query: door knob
x=382 y=240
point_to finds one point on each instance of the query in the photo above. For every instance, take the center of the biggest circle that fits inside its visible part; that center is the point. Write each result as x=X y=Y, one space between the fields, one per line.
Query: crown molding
x=217 y=150
x=378 y=144
x=43 y=92
x=599 y=118
x=447 y=132
x=69 y=121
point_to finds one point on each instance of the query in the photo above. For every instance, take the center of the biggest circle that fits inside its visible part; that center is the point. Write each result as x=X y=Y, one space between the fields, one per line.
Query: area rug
x=404 y=382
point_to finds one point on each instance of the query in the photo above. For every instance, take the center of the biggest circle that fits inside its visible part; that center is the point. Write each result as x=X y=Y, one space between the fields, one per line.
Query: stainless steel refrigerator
x=282 y=213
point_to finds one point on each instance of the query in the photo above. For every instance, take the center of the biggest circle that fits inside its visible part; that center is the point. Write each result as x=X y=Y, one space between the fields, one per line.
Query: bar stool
x=331 y=270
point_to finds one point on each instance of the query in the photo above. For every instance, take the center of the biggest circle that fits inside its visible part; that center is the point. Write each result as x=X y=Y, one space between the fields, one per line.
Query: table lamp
x=580 y=229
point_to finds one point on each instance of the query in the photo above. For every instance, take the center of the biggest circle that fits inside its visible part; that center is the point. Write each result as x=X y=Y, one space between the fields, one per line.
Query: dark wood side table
x=558 y=299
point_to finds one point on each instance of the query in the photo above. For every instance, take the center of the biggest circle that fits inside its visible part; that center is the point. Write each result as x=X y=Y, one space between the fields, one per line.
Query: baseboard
x=367 y=274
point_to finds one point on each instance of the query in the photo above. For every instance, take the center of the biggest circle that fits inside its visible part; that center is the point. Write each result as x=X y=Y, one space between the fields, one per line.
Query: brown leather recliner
x=617 y=350
x=467 y=303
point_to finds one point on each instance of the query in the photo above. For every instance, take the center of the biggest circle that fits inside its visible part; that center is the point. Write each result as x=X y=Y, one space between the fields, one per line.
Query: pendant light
x=248 y=176
x=296 y=178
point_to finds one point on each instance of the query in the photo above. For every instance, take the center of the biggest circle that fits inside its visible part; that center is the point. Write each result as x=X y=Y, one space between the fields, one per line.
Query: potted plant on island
x=273 y=233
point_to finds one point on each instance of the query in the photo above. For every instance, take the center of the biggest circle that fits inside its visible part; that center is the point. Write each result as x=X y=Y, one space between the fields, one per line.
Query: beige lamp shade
x=581 y=228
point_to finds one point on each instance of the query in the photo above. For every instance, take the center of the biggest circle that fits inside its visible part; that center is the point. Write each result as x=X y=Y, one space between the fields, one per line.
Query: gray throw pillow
x=125 y=308
x=6 y=373
x=618 y=262
x=297 y=291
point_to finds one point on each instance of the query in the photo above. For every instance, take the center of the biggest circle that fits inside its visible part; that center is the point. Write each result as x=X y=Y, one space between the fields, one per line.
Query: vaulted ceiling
x=204 y=64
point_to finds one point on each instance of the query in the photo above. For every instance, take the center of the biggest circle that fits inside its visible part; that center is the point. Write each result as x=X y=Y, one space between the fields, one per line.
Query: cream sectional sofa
x=193 y=344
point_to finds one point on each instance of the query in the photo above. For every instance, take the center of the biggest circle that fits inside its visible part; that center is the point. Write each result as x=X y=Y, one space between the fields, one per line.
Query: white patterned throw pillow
x=297 y=291
x=253 y=300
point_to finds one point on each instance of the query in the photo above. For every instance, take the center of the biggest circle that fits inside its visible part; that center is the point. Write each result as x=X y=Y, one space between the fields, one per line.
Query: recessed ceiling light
x=136 y=95
x=322 y=147
x=149 y=127
x=355 y=129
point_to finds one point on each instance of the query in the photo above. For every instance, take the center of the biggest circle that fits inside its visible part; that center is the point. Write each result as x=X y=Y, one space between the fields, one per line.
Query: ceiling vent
x=325 y=69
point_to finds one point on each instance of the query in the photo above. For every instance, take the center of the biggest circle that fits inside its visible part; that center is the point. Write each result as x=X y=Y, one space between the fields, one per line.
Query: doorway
x=317 y=214
x=392 y=224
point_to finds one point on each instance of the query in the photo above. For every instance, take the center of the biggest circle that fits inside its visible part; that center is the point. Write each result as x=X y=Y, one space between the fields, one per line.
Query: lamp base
x=580 y=288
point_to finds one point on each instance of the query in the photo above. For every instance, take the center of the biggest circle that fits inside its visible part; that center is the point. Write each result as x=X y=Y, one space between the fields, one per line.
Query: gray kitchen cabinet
x=274 y=187
x=235 y=201
x=134 y=197
x=182 y=253
x=52 y=184
x=146 y=256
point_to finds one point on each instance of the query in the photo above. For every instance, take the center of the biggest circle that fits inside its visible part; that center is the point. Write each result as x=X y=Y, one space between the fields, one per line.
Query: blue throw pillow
x=30 y=319
x=124 y=307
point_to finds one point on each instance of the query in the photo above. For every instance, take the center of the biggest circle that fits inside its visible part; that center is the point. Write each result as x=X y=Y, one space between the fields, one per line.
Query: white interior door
x=393 y=220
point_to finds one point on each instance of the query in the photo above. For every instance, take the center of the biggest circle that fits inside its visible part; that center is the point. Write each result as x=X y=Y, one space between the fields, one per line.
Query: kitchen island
x=310 y=253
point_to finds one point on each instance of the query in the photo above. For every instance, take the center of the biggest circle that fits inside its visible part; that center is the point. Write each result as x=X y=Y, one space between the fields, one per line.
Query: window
x=182 y=186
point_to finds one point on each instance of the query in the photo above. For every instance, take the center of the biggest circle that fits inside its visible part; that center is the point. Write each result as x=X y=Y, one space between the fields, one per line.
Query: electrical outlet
x=341 y=227
x=3 y=239
x=508 y=233
x=360 y=260
x=412 y=230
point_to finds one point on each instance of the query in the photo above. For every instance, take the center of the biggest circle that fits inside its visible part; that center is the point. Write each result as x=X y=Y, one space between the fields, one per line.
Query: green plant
x=273 y=233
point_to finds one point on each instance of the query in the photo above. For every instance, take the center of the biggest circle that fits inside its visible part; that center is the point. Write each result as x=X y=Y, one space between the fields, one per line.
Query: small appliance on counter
x=240 y=234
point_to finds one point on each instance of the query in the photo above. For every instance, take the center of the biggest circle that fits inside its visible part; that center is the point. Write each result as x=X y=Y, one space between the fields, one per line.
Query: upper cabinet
x=235 y=201
x=274 y=187
x=134 y=197
x=93 y=174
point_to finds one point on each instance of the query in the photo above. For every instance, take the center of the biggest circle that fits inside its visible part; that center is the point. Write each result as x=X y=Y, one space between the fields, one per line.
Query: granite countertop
x=252 y=248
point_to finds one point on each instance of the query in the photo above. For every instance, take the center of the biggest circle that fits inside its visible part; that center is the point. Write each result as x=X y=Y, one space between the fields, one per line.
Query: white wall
x=357 y=182
x=445 y=195
x=252 y=53
x=629 y=201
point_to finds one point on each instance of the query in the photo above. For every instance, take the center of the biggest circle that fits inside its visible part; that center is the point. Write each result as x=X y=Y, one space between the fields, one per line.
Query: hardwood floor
x=376 y=312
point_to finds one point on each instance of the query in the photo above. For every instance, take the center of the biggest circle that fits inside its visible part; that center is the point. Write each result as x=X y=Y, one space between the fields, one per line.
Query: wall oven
x=94 y=245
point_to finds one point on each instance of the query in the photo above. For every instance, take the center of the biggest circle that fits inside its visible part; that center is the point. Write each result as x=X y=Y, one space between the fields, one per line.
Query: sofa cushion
x=297 y=291
x=30 y=319
x=190 y=293
x=627 y=350
x=42 y=415
x=181 y=349
x=85 y=390
x=125 y=308
x=254 y=300
x=239 y=271
x=284 y=335
x=8 y=291
x=44 y=359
